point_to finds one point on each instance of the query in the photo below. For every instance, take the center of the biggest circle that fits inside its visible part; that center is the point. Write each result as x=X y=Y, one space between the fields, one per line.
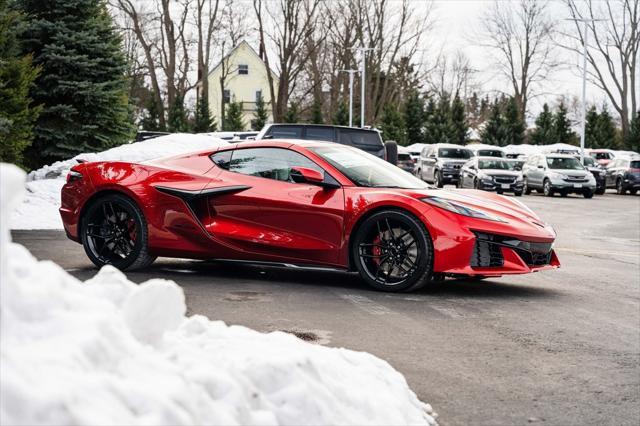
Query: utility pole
x=351 y=73
x=586 y=22
x=363 y=55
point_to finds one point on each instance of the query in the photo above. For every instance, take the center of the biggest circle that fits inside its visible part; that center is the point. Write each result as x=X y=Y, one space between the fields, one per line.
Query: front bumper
x=517 y=186
x=450 y=175
x=631 y=182
x=561 y=185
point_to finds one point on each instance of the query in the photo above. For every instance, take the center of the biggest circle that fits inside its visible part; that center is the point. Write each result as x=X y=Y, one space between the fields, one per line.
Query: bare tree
x=612 y=52
x=521 y=36
x=206 y=24
x=452 y=75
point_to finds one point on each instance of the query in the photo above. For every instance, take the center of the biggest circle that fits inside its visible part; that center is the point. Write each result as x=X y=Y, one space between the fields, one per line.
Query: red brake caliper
x=377 y=250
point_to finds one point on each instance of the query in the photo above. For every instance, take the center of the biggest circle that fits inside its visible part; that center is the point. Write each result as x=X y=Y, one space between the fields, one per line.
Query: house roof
x=236 y=47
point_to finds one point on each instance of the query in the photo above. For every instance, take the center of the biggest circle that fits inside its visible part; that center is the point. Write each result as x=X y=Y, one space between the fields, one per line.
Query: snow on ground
x=39 y=210
x=108 y=351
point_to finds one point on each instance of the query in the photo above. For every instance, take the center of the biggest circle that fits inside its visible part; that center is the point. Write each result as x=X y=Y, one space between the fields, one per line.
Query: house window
x=243 y=69
x=258 y=95
x=226 y=95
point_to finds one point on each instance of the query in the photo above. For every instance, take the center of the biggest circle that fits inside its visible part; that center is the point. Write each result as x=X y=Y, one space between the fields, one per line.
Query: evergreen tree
x=341 y=117
x=261 y=115
x=233 y=121
x=17 y=74
x=562 y=126
x=492 y=133
x=438 y=126
x=177 y=116
x=513 y=126
x=316 y=112
x=392 y=125
x=632 y=142
x=82 y=85
x=543 y=133
x=414 y=118
x=600 y=130
x=151 y=119
x=458 y=122
x=203 y=121
x=292 y=115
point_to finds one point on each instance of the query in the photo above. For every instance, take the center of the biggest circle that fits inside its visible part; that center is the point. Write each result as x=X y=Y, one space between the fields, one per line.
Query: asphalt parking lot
x=557 y=347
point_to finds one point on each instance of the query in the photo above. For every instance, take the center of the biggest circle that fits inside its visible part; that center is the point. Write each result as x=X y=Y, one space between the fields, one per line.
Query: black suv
x=623 y=174
x=597 y=171
x=366 y=139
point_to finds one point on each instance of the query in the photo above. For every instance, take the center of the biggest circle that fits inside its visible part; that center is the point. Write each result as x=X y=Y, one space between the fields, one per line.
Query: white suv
x=562 y=173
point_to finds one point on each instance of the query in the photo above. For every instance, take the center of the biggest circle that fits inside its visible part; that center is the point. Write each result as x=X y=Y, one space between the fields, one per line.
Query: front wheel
x=393 y=251
x=525 y=187
x=588 y=193
x=546 y=188
x=518 y=193
x=114 y=232
x=437 y=179
x=620 y=187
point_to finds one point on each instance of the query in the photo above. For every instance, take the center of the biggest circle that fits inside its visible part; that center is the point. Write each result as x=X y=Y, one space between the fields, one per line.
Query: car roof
x=322 y=125
x=488 y=157
x=450 y=145
x=280 y=143
x=556 y=155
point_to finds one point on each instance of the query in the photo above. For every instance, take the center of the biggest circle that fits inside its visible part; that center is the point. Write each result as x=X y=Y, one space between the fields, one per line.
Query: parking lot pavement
x=558 y=347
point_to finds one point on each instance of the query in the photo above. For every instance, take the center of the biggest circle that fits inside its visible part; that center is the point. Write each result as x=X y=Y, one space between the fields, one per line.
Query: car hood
x=571 y=173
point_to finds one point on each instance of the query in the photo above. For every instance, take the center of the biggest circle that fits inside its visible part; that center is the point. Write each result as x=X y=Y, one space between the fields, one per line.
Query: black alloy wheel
x=393 y=251
x=114 y=232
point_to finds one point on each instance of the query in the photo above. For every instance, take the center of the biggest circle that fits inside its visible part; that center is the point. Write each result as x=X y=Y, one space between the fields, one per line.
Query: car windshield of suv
x=490 y=153
x=495 y=164
x=601 y=155
x=564 y=163
x=367 y=170
x=461 y=153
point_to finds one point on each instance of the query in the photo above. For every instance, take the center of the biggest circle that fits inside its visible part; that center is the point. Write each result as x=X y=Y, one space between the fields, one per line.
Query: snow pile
x=39 y=209
x=108 y=351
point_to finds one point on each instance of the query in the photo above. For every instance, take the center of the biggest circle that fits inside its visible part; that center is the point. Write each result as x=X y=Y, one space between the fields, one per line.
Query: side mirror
x=314 y=177
x=541 y=167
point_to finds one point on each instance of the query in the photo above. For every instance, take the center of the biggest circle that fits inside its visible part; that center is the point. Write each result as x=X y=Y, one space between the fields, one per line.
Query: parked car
x=623 y=174
x=234 y=136
x=368 y=140
x=441 y=163
x=491 y=174
x=415 y=149
x=602 y=156
x=405 y=162
x=482 y=150
x=144 y=135
x=562 y=173
x=517 y=162
x=598 y=173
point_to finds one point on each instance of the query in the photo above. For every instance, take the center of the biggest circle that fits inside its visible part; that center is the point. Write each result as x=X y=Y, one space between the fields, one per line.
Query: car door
x=272 y=217
x=467 y=174
x=539 y=171
x=429 y=164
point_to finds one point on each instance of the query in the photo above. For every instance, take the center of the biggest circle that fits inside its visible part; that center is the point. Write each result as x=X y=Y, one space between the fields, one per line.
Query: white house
x=245 y=79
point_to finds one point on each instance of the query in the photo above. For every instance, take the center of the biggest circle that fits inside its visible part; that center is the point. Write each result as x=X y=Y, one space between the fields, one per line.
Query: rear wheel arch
x=99 y=195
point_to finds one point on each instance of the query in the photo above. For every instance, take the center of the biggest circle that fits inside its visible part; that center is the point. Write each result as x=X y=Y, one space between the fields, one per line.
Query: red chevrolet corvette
x=300 y=203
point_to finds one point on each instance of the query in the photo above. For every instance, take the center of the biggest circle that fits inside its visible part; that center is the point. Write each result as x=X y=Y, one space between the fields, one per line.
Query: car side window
x=269 y=163
x=542 y=162
x=222 y=158
x=320 y=133
x=286 y=132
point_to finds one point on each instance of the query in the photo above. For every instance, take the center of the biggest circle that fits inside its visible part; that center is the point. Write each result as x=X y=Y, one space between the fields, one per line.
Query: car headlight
x=554 y=175
x=460 y=209
x=519 y=178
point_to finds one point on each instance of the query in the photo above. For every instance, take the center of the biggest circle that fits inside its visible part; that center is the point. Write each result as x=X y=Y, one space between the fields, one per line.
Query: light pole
x=586 y=22
x=351 y=73
x=363 y=55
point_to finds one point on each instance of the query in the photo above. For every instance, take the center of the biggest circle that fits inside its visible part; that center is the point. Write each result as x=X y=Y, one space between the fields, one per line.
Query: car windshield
x=367 y=170
x=490 y=153
x=495 y=164
x=601 y=155
x=404 y=157
x=589 y=161
x=564 y=163
x=517 y=164
x=461 y=153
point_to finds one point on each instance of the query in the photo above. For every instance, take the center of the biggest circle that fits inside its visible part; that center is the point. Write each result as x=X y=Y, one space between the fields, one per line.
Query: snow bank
x=39 y=210
x=108 y=351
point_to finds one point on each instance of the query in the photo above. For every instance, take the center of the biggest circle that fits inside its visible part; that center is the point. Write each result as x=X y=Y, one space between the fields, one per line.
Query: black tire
x=600 y=191
x=388 y=237
x=476 y=184
x=588 y=193
x=620 y=187
x=114 y=232
x=633 y=191
x=526 y=188
x=437 y=179
x=517 y=193
x=546 y=188
x=391 y=147
x=564 y=194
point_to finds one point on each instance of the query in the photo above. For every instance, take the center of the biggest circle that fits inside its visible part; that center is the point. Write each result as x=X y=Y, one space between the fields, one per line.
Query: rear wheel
x=114 y=232
x=620 y=187
x=393 y=251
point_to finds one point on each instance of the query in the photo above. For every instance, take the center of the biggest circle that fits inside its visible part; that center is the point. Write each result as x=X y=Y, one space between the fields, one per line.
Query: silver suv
x=562 y=173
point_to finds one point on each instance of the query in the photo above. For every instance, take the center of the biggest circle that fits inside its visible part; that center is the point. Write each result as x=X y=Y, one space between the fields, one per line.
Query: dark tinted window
x=496 y=164
x=490 y=153
x=601 y=155
x=404 y=157
x=635 y=164
x=320 y=134
x=460 y=153
x=269 y=163
x=360 y=138
x=222 y=158
x=286 y=132
x=589 y=161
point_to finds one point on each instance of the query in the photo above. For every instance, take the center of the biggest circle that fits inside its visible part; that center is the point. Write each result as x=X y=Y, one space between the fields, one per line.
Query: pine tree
x=492 y=133
x=414 y=118
x=632 y=142
x=438 y=127
x=233 y=121
x=459 y=126
x=151 y=119
x=606 y=130
x=562 y=126
x=513 y=126
x=177 y=116
x=203 y=121
x=543 y=133
x=392 y=125
x=17 y=74
x=261 y=115
x=341 y=117
x=592 y=139
x=316 y=112
x=82 y=85
x=292 y=115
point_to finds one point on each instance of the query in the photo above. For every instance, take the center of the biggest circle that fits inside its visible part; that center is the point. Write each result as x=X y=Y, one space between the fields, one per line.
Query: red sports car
x=300 y=203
